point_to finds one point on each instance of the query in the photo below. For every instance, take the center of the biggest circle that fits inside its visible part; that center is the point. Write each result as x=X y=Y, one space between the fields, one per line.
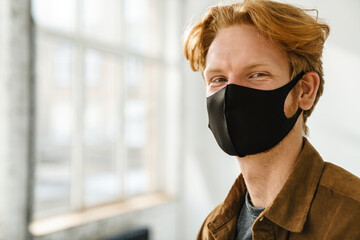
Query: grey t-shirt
x=247 y=217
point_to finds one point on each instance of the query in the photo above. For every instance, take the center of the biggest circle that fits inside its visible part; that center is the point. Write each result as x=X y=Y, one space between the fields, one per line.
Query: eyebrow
x=212 y=70
x=246 y=67
x=254 y=65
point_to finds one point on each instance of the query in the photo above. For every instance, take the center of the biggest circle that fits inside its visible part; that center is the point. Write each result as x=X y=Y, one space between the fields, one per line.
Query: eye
x=217 y=80
x=256 y=75
x=215 y=84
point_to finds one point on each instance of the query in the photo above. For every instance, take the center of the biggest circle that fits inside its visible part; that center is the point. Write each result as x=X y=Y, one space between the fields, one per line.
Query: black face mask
x=247 y=121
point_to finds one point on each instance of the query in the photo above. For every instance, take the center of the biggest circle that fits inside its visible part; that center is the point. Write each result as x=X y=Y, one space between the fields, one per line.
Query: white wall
x=15 y=117
x=334 y=125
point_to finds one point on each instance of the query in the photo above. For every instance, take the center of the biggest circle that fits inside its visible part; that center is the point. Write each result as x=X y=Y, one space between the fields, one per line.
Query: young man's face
x=240 y=55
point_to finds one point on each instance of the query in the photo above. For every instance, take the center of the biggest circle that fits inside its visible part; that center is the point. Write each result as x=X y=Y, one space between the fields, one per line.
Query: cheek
x=211 y=90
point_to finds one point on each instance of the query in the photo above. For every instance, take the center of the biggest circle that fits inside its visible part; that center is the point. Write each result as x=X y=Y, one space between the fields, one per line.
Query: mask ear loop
x=288 y=88
x=293 y=82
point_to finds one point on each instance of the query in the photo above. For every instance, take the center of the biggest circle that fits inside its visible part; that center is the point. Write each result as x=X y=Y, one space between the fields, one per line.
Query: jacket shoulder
x=341 y=182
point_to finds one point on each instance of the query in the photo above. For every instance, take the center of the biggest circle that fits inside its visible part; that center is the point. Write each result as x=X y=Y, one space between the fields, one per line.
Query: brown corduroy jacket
x=318 y=201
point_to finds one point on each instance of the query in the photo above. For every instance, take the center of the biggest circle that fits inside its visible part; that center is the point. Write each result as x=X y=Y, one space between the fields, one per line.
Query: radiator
x=139 y=234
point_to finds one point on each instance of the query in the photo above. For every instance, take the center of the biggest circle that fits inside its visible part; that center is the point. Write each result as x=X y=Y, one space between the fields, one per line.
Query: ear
x=309 y=86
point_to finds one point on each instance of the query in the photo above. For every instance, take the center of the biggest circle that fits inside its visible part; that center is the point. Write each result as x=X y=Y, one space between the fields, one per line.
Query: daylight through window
x=98 y=82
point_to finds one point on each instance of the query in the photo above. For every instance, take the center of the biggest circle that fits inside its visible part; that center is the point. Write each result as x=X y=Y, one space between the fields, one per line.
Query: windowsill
x=41 y=227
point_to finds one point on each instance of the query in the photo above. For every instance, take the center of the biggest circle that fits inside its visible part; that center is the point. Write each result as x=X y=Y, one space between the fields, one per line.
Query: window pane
x=101 y=125
x=54 y=123
x=97 y=116
x=101 y=19
x=142 y=31
x=141 y=124
x=55 y=14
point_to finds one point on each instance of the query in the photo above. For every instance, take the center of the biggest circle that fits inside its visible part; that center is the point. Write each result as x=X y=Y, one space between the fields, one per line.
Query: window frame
x=81 y=43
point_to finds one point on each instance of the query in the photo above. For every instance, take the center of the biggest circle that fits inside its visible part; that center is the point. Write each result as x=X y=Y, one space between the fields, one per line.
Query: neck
x=266 y=173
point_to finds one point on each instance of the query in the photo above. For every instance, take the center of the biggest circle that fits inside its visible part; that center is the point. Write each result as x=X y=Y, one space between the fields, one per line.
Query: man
x=261 y=62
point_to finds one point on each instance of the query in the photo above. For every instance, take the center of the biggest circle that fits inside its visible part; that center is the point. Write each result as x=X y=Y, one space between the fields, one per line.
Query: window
x=98 y=89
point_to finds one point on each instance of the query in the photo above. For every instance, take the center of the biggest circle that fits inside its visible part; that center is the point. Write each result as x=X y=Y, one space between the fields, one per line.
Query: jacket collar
x=230 y=207
x=291 y=206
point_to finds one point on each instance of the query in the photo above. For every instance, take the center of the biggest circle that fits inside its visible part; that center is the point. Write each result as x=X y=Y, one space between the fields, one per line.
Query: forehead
x=241 y=45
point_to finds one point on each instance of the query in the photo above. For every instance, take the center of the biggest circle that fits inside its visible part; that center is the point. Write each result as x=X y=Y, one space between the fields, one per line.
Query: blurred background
x=104 y=126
